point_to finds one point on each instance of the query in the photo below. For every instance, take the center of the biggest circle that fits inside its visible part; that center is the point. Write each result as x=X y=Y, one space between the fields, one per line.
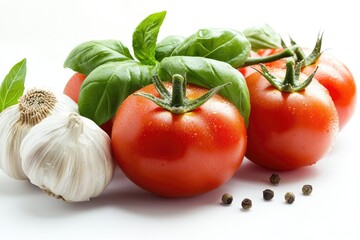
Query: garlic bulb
x=17 y=120
x=68 y=156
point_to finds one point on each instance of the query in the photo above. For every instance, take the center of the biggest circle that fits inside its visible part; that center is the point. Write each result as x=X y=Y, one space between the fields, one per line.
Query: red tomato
x=72 y=89
x=289 y=130
x=334 y=76
x=340 y=83
x=178 y=155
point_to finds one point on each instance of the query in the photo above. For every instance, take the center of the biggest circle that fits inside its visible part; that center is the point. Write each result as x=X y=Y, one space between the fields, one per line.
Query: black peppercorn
x=268 y=194
x=275 y=178
x=289 y=197
x=307 y=189
x=227 y=198
x=246 y=204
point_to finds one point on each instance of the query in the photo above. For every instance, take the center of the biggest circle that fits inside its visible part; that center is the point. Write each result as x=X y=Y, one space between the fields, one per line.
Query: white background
x=45 y=31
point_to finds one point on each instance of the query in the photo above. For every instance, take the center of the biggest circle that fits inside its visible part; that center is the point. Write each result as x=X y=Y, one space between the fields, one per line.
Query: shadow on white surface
x=120 y=196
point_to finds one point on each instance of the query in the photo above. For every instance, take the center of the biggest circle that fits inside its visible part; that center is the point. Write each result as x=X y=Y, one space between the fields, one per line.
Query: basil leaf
x=89 y=55
x=262 y=37
x=210 y=73
x=225 y=45
x=145 y=38
x=107 y=86
x=12 y=88
x=165 y=47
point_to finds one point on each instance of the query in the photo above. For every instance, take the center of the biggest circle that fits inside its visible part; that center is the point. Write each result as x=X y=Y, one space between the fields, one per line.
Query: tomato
x=289 y=130
x=178 y=155
x=340 y=83
x=73 y=86
x=334 y=76
x=72 y=89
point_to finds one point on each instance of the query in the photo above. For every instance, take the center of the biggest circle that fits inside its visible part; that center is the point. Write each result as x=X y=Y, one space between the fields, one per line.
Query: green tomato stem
x=289 y=80
x=288 y=52
x=178 y=91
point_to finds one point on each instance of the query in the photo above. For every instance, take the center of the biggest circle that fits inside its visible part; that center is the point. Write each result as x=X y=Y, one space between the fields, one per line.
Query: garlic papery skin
x=68 y=156
x=17 y=120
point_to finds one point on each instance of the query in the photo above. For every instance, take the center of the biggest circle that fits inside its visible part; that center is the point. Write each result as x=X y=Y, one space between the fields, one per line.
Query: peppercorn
x=289 y=197
x=268 y=194
x=307 y=189
x=275 y=178
x=227 y=198
x=246 y=204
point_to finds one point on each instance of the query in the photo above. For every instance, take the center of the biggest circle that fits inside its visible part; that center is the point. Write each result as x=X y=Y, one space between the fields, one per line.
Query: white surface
x=45 y=31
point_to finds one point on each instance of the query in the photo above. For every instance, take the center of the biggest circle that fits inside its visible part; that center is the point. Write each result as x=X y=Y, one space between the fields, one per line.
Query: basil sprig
x=145 y=37
x=113 y=73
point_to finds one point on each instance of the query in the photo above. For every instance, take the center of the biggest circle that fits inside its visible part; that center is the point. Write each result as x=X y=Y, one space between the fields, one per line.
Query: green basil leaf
x=165 y=47
x=210 y=73
x=89 y=55
x=145 y=38
x=262 y=37
x=107 y=86
x=12 y=88
x=221 y=44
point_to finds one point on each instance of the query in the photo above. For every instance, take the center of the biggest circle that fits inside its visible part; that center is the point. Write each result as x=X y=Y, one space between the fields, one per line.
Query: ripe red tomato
x=334 y=76
x=72 y=89
x=340 y=83
x=289 y=130
x=178 y=155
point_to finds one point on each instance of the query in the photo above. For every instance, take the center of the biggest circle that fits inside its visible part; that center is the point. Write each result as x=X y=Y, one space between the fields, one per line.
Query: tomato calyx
x=313 y=56
x=294 y=51
x=291 y=82
x=176 y=102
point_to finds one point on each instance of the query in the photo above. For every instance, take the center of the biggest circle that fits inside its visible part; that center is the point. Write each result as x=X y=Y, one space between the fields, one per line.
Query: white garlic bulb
x=17 y=120
x=68 y=156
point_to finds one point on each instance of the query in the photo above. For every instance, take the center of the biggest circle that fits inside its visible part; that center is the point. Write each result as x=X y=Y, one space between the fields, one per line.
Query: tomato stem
x=288 y=52
x=176 y=102
x=178 y=91
x=291 y=82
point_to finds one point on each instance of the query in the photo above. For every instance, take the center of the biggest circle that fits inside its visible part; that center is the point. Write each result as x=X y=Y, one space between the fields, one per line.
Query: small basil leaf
x=89 y=55
x=221 y=44
x=12 y=88
x=210 y=73
x=262 y=37
x=165 y=47
x=145 y=38
x=107 y=86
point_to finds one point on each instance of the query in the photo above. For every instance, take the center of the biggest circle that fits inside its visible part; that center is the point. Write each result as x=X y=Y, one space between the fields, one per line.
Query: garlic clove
x=17 y=120
x=11 y=136
x=68 y=156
